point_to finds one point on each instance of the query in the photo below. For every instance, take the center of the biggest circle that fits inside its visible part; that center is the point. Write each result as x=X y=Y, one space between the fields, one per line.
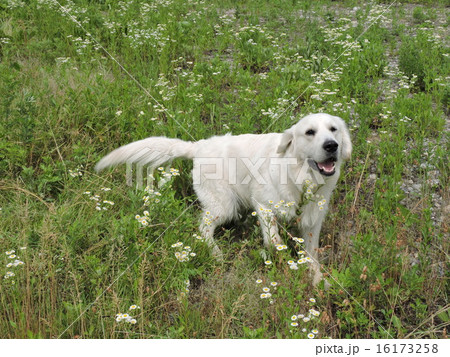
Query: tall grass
x=192 y=69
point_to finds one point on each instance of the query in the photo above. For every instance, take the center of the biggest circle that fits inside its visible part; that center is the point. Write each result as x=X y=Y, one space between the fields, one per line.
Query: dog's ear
x=346 y=142
x=286 y=140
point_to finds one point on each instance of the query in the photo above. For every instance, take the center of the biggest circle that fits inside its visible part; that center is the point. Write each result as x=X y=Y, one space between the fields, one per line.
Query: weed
x=203 y=68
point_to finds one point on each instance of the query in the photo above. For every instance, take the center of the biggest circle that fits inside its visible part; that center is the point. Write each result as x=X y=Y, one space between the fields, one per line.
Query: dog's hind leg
x=207 y=228
x=219 y=207
x=216 y=212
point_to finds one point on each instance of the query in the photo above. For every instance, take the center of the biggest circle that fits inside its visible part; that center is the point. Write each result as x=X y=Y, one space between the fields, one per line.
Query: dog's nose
x=330 y=146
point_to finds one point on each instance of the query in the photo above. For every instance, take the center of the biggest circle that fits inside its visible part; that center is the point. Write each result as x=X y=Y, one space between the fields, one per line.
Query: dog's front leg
x=269 y=228
x=311 y=225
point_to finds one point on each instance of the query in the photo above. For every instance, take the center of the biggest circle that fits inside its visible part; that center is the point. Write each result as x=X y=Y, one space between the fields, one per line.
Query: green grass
x=206 y=68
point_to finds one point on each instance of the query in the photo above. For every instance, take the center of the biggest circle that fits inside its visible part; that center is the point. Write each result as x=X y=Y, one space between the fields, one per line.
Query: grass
x=207 y=68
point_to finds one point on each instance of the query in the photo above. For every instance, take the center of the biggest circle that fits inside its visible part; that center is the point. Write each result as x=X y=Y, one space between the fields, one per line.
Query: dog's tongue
x=327 y=166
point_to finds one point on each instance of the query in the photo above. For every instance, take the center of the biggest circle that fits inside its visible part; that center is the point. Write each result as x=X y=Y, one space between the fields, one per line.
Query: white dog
x=266 y=173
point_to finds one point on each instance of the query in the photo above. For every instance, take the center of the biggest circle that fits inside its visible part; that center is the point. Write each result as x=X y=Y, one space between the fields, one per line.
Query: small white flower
x=9 y=274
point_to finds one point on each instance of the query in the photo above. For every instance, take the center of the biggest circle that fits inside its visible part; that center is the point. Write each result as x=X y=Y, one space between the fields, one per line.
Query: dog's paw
x=318 y=277
x=217 y=254
x=276 y=240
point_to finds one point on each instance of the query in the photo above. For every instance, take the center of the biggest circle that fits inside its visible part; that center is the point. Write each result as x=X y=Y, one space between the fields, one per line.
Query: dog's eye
x=333 y=129
x=310 y=132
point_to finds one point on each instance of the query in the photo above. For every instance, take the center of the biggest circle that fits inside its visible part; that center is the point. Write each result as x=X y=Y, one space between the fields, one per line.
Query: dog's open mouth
x=326 y=168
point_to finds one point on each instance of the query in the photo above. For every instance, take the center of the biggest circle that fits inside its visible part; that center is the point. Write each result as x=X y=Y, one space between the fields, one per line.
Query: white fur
x=223 y=194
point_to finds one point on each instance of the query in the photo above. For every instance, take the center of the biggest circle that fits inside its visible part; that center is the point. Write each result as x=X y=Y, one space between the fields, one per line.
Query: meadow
x=84 y=255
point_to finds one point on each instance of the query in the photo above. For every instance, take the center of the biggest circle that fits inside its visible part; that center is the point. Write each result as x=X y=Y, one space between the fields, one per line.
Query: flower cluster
x=377 y=14
x=274 y=209
x=101 y=205
x=246 y=31
x=144 y=220
x=339 y=35
x=13 y=263
x=266 y=294
x=208 y=218
x=297 y=319
x=69 y=9
x=321 y=204
x=198 y=237
x=151 y=194
x=185 y=291
x=154 y=37
x=198 y=97
x=282 y=105
x=281 y=247
x=293 y=265
x=184 y=253
x=308 y=189
x=309 y=194
x=166 y=91
x=298 y=240
x=127 y=317
x=76 y=173
x=396 y=80
x=83 y=45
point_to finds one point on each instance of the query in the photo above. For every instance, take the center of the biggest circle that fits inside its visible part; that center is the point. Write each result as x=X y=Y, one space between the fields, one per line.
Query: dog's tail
x=154 y=152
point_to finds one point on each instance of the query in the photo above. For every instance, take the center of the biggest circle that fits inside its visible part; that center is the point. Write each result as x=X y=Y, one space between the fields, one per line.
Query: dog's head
x=321 y=139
